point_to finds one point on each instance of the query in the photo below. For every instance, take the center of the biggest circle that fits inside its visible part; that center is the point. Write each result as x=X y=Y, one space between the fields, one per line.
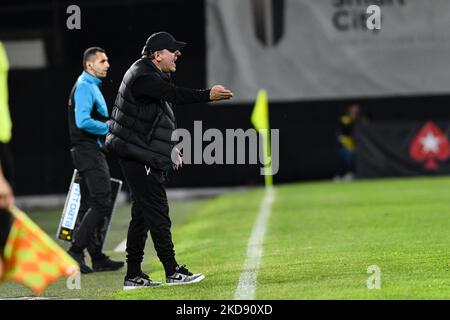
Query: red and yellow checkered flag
x=31 y=257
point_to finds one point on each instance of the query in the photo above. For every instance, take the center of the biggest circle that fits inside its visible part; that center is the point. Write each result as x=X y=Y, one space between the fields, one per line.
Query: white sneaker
x=139 y=282
x=183 y=276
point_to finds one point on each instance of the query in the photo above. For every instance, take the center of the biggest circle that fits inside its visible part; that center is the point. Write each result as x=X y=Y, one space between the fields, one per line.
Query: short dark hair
x=89 y=52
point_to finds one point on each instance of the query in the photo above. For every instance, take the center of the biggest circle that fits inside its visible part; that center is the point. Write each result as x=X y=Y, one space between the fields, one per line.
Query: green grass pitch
x=320 y=240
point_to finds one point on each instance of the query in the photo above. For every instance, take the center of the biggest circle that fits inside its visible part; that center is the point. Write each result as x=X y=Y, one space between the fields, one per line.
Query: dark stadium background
x=38 y=98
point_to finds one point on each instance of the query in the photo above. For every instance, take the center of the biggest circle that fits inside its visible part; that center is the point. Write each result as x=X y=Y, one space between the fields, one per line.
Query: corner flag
x=260 y=120
x=31 y=257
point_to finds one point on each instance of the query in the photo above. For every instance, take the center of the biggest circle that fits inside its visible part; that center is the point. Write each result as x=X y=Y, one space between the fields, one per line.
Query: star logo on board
x=430 y=143
x=429 y=146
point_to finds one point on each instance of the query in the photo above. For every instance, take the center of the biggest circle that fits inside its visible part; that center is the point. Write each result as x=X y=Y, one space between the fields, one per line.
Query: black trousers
x=149 y=212
x=6 y=219
x=96 y=199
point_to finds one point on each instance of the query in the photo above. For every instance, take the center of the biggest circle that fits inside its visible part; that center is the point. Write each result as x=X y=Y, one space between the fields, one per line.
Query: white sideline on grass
x=121 y=247
x=246 y=288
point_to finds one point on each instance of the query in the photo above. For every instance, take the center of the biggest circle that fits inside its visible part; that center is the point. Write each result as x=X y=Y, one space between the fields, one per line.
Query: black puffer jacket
x=142 y=132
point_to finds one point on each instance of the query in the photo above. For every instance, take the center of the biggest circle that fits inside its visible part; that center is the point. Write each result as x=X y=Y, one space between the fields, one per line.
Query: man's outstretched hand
x=218 y=92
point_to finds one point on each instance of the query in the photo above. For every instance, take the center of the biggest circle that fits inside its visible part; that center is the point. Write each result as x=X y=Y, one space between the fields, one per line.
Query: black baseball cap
x=162 y=40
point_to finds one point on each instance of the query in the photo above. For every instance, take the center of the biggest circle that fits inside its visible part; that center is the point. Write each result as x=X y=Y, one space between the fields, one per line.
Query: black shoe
x=106 y=264
x=139 y=282
x=79 y=258
x=183 y=276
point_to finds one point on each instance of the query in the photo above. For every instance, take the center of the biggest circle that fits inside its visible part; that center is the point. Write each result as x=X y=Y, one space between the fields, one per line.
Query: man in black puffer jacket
x=141 y=127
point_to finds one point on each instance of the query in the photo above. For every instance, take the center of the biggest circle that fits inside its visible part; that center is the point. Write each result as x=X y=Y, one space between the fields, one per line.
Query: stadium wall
x=38 y=97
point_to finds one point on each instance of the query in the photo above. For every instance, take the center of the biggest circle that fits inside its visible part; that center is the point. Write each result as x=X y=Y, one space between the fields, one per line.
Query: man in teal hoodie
x=88 y=116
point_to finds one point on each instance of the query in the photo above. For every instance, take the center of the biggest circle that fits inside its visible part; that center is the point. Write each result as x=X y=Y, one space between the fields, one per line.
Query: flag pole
x=260 y=120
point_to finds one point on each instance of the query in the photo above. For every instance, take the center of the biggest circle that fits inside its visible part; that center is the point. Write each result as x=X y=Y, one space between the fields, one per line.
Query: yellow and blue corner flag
x=5 y=118
x=260 y=120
